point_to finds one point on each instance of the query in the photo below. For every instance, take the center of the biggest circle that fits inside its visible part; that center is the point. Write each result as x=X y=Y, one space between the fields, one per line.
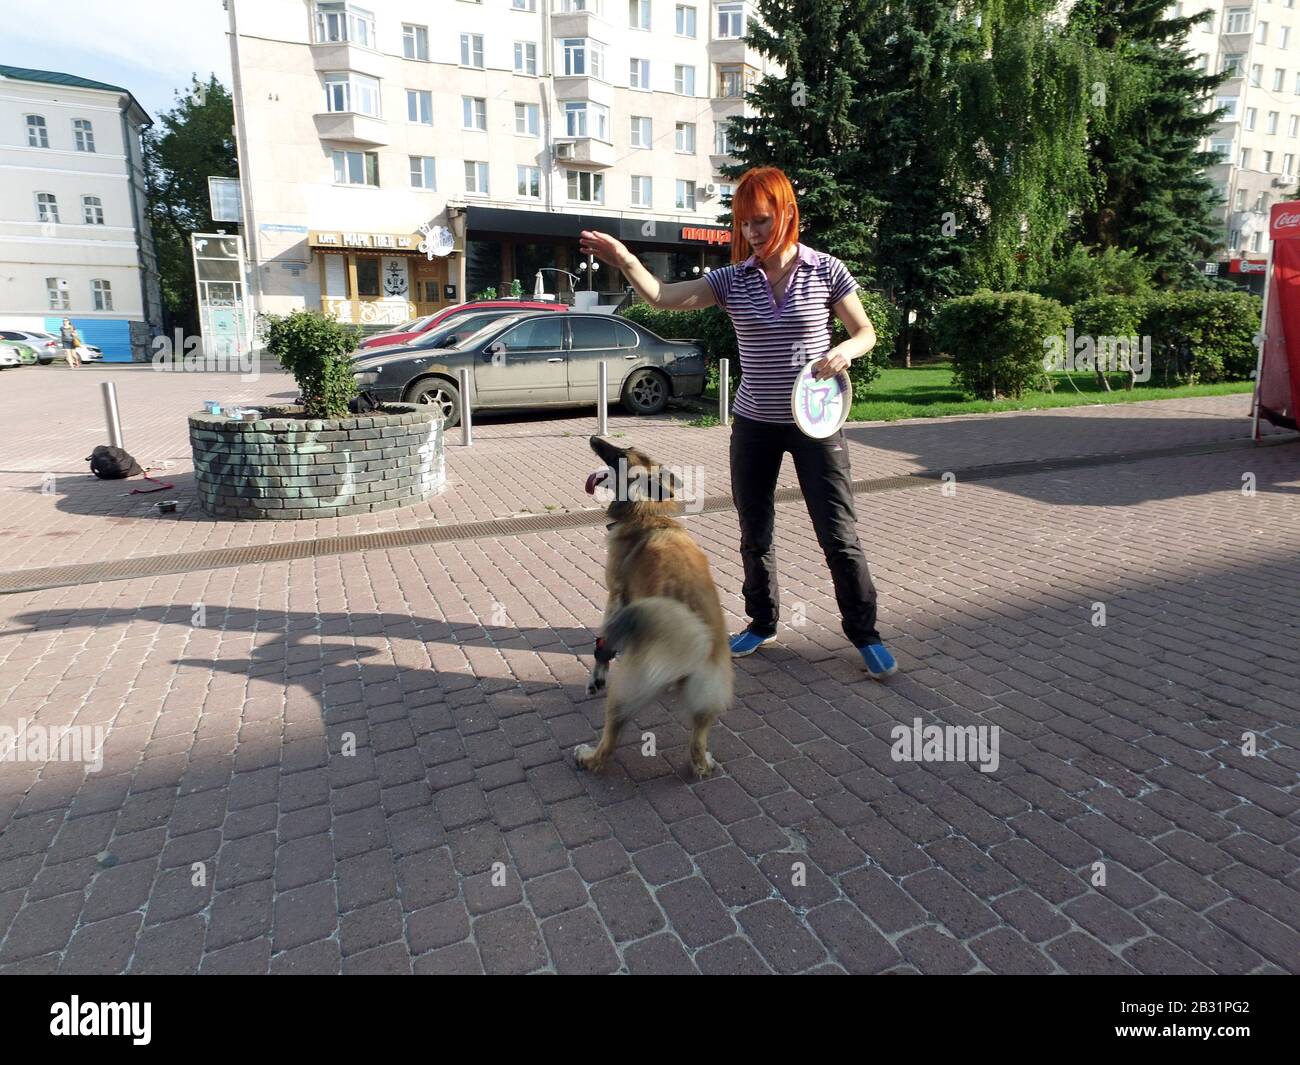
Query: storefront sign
x=710 y=236
x=377 y=241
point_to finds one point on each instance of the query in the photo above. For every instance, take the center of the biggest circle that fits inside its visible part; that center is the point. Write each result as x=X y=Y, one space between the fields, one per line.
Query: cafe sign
x=706 y=233
x=374 y=241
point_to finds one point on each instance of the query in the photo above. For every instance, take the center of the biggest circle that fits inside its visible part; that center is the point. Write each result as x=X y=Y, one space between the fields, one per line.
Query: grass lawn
x=930 y=392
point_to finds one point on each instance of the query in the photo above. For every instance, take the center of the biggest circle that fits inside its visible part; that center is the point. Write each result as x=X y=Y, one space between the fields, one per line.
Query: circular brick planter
x=287 y=467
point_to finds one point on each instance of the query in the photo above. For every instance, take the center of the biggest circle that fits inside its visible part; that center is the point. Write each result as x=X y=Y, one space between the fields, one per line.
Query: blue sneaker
x=747 y=642
x=880 y=663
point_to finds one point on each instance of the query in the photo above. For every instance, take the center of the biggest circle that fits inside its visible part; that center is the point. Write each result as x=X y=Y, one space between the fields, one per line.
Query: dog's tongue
x=594 y=479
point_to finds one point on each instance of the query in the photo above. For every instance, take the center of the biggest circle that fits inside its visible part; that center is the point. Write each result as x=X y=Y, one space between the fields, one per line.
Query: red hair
x=763 y=190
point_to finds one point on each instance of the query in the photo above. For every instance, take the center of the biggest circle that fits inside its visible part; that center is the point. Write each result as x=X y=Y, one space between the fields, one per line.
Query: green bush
x=1114 y=324
x=1085 y=273
x=1202 y=336
x=997 y=340
x=316 y=350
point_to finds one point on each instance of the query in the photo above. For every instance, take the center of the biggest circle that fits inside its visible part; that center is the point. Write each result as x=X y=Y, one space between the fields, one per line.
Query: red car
x=405 y=334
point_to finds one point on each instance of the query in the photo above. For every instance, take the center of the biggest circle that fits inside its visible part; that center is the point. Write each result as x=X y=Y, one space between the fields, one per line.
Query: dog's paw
x=583 y=754
x=710 y=764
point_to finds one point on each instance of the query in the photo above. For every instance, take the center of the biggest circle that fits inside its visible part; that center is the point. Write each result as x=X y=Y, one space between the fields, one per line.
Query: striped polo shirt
x=777 y=340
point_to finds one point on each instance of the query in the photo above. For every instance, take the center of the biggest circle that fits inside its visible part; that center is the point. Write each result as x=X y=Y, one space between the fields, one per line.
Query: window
x=37 y=134
x=92 y=210
x=685 y=21
x=684 y=80
x=581 y=5
x=685 y=195
x=734 y=80
x=1284 y=37
x=1293 y=125
x=731 y=21
x=367 y=276
x=1268 y=162
x=1241 y=199
x=1243 y=160
x=1232 y=65
x=583 y=57
x=1238 y=20
x=1261 y=203
x=641 y=190
x=1256 y=74
x=83 y=135
x=525 y=57
x=543 y=333
x=576 y=120
x=1288 y=164
x=474 y=112
x=1223 y=149
x=585 y=187
x=339 y=22
x=641 y=137
x=353 y=93
x=47 y=207
x=356 y=168
x=1261 y=33
x=101 y=294
x=595 y=334
x=419 y=106
x=1272 y=122
x=724 y=191
x=524 y=5
x=476 y=178
x=1229 y=106
x=638 y=14
x=639 y=74
x=423 y=172
x=471 y=50
x=686 y=137
x=56 y=289
x=1251 y=114
x=415 y=42
x=529 y=182
x=1279 y=79
x=722 y=140
x=1203 y=63
x=527 y=119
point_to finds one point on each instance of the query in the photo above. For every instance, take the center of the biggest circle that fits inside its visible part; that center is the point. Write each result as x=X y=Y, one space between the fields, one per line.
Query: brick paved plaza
x=233 y=828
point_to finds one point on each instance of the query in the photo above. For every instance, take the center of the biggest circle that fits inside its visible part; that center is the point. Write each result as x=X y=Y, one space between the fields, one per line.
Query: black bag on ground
x=110 y=463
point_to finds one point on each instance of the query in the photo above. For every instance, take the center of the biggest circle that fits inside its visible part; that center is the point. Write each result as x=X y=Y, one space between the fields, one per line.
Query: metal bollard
x=602 y=399
x=110 y=413
x=724 y=391
x=466 y=418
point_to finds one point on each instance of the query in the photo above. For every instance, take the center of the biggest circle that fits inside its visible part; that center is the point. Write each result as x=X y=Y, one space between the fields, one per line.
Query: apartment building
x=493 y=131
x=74 y=234
x=1257 y=44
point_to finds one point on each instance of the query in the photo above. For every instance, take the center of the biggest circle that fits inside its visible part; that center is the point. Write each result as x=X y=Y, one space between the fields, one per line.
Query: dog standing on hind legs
x=662 y=617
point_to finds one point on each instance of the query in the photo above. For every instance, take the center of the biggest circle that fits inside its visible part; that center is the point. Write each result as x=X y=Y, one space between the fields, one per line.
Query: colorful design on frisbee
x=820 y=408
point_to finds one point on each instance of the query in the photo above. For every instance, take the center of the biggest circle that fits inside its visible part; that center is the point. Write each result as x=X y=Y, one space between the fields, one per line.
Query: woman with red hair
x=779 y=295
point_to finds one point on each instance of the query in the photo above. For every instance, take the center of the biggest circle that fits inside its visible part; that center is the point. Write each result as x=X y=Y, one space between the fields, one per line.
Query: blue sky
x=147 y=46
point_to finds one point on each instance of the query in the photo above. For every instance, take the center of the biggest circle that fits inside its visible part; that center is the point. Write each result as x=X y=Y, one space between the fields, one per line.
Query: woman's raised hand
x=609 y=250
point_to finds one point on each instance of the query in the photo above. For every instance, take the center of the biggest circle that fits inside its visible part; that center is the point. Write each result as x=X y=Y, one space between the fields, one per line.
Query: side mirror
x=449 y=342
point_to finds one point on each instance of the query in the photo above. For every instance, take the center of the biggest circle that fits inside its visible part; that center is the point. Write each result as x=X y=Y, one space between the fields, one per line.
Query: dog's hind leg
x=601 y=669
x=594 y=758
x=702 y=762
x=705 y=696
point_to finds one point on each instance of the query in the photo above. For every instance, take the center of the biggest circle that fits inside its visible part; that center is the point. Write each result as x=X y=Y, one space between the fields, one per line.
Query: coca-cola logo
x=1284 y=220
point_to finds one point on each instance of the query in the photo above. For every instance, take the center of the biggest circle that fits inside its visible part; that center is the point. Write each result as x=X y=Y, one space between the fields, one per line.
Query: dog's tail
x=668 y=638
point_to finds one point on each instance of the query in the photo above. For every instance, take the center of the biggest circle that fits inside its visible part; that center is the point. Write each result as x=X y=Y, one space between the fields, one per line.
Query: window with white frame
x=1232 y=65
x=1293 y=126
x=525 y=57
x=528 y=181
x=1234 y=239
x=38 y=135
x=725 y=190
x=1272 y=122
x=1203 y=63
x=641 y=191
x=1252 y=113
x=47 y=207
x=524 y=5
x=685 y=21
x=528 y=118
x=471 y=50
x=685 y=195
x=585 y=119
x=583 y=57
x=424 y=172
x=474 y=112
x=1279 y=79
x=83 y=135
x=1227 y=104
x=1261 y=203
x=101 y=294
x=641 y=132
x=1288 y=163
x=1223 y=149
x=585 y=187
x=415 y=42
x=1256 y=74
x=1241 y=199
x=684 y=80
x=56 y=291
x=341 y=22
x=356 y=168
x=1238 y=20
x=734 y=80
x=639 y=73
x=352 y=93
x=1261 y=33
x=686 y=137
x=92 y=210
x=580 y=5
x=1256 y=241
x=1268 y=162
x=722 y=139
x=476 y=178
x=1284 y=36
x=1243 y=159
x=731 y=21
x=419 y=106
x=638 y=14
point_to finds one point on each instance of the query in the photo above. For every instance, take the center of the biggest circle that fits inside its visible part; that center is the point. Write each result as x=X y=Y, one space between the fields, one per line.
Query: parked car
x=9 y=357
x=47 y=345
x=25 y=352
x=535 y=359
x=447 y=335
x=431 y=321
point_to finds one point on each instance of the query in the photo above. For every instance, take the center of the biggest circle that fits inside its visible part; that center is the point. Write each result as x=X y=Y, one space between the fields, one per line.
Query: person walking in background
x=779 y=295
x=71 y=342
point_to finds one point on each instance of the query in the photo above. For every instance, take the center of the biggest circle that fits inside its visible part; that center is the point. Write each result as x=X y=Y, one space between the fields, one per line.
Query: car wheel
x=437 y=392
x=45 y=361
x=645 y=392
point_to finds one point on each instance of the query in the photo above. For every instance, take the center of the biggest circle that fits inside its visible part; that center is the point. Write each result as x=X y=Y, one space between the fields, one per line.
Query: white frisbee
x=821 y=408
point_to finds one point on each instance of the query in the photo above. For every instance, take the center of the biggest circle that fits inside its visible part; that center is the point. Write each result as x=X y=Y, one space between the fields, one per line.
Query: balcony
x=583 y=151
x=573 y=87
x=351 y=128
x=733 y=50
x=338 y=56
x=579 y=24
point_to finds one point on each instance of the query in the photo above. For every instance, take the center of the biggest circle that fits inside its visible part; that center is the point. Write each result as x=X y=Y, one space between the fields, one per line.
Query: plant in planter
x=317 y=350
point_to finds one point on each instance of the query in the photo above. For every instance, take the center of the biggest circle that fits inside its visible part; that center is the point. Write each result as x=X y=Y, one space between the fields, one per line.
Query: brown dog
x=662 y=618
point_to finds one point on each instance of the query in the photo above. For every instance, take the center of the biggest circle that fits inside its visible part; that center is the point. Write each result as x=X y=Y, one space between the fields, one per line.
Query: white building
x=514 y=124
x=74 y=234
x=1256 y=42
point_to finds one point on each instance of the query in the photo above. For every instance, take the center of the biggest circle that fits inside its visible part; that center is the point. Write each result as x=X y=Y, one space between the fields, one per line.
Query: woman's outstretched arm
x=690 y=295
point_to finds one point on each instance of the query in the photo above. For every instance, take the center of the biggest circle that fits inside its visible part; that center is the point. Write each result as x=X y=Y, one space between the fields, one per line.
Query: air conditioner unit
x=711 y=189
x=564 y=151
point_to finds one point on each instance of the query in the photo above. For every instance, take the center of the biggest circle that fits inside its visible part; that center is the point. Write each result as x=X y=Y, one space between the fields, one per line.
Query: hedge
x=997 y=340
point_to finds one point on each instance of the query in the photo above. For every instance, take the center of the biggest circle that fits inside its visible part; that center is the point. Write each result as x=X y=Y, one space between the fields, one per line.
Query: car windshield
x=480 y=335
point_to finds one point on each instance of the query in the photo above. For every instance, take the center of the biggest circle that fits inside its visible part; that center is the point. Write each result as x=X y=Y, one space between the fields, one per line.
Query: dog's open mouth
x=596 y=478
